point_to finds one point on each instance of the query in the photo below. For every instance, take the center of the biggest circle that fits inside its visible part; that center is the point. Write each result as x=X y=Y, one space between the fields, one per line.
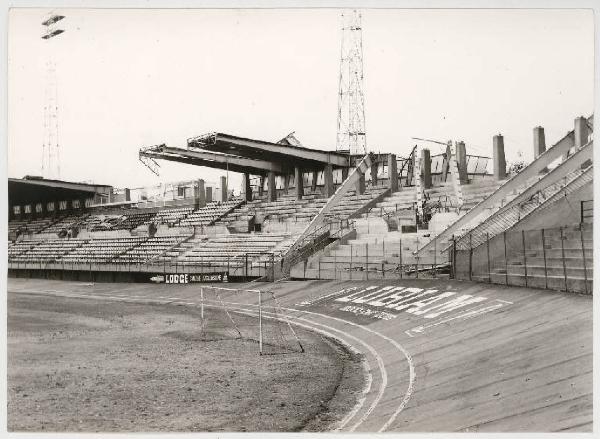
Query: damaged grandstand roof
x=276 y=152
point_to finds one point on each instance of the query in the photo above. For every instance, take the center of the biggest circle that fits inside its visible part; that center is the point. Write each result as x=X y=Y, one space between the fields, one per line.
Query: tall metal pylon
x=50 y=144
x=351 y=134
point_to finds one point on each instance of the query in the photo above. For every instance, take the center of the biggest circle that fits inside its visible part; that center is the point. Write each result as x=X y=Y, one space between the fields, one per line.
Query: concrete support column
x=374 y=168
x=581 y=136
x=328 y=180
x=299 y=181
x=209 y=194
x=392 y=173
x=461 y=160
x=499 y=159
x=200 y=195
x=581 y=131
x=247 y=187
x=539 y=142
x=360 y=185
x=223 y=188
x=81 y=206
x=286 y=182
x=127 y=194
x=261 y=186
x=313 y=185
x=272 y=187
x=426 y=168
x=345 y=172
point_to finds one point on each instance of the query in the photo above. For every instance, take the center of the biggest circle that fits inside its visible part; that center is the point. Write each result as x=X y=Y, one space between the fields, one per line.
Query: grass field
x=87 y=365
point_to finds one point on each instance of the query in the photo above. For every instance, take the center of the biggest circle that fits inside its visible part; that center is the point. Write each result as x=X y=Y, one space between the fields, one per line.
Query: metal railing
x=507 y=217
x=375 y=261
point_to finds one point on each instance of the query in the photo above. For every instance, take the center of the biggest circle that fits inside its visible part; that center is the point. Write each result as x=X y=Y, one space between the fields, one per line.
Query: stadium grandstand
x=305 y=213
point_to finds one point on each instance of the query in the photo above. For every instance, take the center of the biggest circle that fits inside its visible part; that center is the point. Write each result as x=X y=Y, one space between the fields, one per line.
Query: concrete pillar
x=127 y=194
x=461 y=160
x=539 y=142
x=223 y=188
x=360 y=185
x=247 y=187
x=299 y=181
x=272 y=187
x=200 y=195
x=261 y=186
x=328 y=180
x=426 y=168
x=345 y=172
x=499 y=159
x=286 y=182
x=313 y=185
x=581 y=137
x=581 y=131
x=209 y=194
x=392 y=173
x=374 y=168
x=81 y=206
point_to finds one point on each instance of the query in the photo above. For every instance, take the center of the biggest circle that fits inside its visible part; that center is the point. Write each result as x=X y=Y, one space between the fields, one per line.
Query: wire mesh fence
x=558 y=258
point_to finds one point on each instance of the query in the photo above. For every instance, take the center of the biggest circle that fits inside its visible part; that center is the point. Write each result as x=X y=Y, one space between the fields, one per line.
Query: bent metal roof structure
x=239 y=154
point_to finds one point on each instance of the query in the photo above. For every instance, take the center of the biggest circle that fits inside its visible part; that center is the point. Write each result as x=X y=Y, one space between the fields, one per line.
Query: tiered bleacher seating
x=30 y=226
x=134 y=220
x=100 y=222
x=212 y=212
x=226 y=249
x=351 y=202
x=148 y=249
x=65 y=223
x=47 y=251
x=286 y=208
x=172 y=216
x=101 y=250
x=17 y=248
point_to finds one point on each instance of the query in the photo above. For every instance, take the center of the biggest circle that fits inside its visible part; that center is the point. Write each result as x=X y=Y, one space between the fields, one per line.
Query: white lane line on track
x=399 y=347
x=411 y=366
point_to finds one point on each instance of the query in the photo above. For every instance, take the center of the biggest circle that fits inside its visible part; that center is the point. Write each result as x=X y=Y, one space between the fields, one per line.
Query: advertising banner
x=189 y=278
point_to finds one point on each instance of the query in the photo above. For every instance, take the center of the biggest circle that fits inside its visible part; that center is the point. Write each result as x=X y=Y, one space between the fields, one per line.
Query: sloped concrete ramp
x=442 y=355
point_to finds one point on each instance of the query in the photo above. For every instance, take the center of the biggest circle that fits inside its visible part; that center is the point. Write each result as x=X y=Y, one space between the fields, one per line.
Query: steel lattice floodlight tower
x=351 y=133
x=50 y=146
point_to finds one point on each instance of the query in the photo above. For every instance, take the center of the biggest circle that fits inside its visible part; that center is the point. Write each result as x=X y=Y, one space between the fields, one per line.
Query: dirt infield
x=85 y=365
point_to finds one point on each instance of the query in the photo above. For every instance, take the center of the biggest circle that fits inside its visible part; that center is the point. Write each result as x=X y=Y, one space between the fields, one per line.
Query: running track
x=522 y=361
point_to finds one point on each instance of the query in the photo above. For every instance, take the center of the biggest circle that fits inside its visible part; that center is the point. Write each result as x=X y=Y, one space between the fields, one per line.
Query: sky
x=133 y=78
